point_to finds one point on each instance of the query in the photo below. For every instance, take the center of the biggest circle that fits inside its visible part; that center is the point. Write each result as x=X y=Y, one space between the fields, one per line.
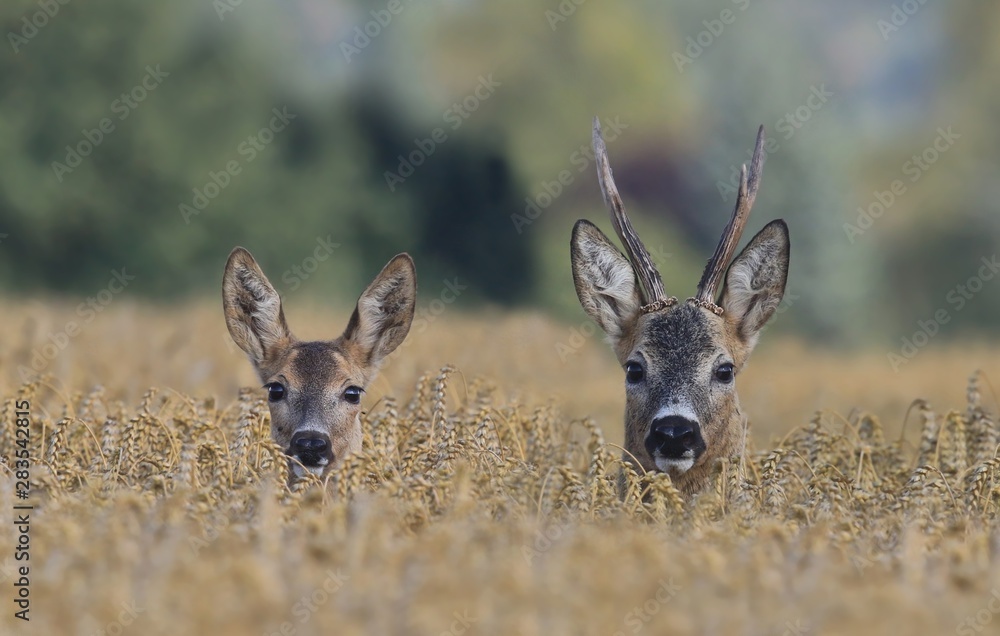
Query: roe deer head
x=314 y=388
x=681 y=359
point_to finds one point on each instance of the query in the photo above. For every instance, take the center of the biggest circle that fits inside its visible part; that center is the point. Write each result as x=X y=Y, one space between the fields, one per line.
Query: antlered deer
x=314 y=388
x=681 y=359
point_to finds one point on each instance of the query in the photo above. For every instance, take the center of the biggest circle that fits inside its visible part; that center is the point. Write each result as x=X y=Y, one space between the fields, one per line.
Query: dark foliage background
x=688 y=83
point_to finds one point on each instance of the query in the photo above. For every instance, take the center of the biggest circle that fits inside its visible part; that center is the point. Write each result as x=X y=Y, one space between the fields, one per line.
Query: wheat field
x=485 y=500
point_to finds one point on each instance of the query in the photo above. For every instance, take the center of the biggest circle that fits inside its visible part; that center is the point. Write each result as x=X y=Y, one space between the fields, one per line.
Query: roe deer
x=682 y=413
x=314 y=388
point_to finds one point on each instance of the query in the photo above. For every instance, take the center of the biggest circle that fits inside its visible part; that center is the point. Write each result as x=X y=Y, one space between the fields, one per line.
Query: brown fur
x=682 y=346
x=315 y=374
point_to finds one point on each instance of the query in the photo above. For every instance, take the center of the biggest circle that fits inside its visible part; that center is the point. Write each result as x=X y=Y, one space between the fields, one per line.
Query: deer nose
x=673 y=436
x=311 y=448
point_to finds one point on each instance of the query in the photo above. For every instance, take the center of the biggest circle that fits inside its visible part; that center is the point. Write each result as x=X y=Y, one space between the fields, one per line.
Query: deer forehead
x=314 y=367
x=680 y=342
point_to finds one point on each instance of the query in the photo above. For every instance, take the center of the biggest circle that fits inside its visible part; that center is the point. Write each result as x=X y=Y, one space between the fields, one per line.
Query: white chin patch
x=678 y=466
x=300 y=471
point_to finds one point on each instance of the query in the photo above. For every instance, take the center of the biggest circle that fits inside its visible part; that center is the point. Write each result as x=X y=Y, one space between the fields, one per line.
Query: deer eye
x=634 y=372
x=275 y=392
x=724 y=373
x=353 y=394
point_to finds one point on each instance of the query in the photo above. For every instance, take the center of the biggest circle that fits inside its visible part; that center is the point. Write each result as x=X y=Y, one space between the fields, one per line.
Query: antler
x=749 y=181
x=650 y=283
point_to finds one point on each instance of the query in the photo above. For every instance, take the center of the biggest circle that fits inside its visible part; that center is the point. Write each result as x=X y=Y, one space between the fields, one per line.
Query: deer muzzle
x=675 y=443
x=312 y=448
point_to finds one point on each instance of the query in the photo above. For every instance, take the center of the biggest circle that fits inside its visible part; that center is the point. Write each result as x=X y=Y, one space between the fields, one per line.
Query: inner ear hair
x=605 y=281
x=755 y=283
x=253 y=311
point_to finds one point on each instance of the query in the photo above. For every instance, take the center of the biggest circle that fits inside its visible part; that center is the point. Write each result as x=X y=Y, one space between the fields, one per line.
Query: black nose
x=310 y=447
x=673 y=436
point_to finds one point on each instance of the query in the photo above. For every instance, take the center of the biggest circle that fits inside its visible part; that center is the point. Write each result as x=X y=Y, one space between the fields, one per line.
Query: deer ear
x=605 y=282
x=253 y=308
x=384 y=311
x=756 y=280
